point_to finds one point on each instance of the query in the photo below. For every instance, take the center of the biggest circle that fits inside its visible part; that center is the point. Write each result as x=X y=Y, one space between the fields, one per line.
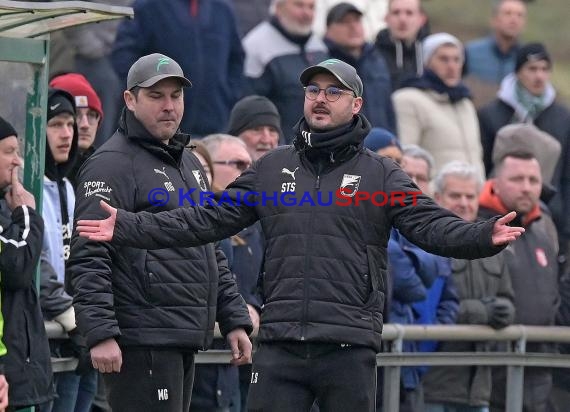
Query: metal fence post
x=515 y=378
x=391 y=388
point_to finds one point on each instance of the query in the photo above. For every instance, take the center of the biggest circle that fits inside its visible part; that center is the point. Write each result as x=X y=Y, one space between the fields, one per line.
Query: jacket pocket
x=376 y=303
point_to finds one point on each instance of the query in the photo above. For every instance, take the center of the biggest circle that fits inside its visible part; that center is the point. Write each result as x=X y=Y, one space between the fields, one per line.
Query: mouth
x=64 y=147
x=321 y=111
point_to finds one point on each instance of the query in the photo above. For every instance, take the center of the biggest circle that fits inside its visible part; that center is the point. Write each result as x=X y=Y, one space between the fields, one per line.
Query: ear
x=357 y=105
x=437 y=197
x=130 y=100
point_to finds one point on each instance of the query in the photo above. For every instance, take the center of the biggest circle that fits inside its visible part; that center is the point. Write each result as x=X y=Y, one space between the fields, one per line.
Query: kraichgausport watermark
x=341 y=197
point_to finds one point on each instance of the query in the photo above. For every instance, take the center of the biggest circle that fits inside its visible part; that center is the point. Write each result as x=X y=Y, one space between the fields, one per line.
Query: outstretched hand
x=504 y=234
x=99 y=230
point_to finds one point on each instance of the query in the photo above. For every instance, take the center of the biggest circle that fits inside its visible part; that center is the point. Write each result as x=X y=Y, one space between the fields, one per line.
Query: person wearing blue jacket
x=202 y=36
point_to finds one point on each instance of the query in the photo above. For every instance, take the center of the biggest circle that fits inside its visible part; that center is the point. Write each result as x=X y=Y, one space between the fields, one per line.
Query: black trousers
x=151 y=380
x=289 y=377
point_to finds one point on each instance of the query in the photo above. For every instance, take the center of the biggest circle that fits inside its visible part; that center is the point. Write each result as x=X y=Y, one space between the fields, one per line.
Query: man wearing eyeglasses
x=324 y=275
x=89 y=115
x=144 y=313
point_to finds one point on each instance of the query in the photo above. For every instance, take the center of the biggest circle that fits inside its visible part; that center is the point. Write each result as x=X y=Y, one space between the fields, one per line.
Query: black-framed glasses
x=332 y=93
x=241 y=165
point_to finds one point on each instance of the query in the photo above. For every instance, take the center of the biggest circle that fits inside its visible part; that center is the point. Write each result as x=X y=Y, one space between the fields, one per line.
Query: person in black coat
x=324 y=278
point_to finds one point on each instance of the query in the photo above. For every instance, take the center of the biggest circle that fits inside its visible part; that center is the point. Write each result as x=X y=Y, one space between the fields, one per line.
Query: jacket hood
x=507 y=93
x=399 y=48
x=488 y=199
x=171 y=153
x=54 y=171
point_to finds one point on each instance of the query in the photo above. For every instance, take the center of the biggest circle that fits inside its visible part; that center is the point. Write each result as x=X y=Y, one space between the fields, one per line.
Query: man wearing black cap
x=25 y=360
x=345 y=40
x=145 y=313
x=527 y=96
x=324 y=275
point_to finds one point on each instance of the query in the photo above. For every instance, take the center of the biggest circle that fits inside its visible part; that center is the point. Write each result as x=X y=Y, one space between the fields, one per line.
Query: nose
x=265 y=134
x=18 y=161
x=168 y=104
x=321 y=96
x=463 y=201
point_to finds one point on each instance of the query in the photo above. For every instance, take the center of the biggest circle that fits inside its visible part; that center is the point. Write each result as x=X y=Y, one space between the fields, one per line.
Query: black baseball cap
x=152 y=68
x=344 y=72
x=338 y=12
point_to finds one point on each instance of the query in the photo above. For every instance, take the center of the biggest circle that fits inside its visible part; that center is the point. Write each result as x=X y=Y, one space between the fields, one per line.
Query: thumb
x=107 y=208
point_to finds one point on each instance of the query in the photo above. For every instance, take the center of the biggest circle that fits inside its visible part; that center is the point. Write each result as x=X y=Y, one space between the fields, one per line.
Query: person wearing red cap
x=89 y=114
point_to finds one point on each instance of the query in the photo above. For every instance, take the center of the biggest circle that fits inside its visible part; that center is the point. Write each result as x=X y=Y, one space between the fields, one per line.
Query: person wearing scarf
x=324 y=282
x=435 y=111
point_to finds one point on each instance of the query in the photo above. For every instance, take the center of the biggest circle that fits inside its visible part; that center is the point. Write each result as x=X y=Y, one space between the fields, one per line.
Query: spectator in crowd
x=93 y=44
x=527 y=96
x=201 y=35
x=165 y=301
x=435 y=111
x=532 y=264
x=256 y=121
x=493 y=57
x=485 y=298
x=89 y=115
x=57 y=212
x=217 y=387
x=276 y=51
x=345 y=40
x=384 y=143
x=321 y=326
x=26 y=365
x=418 y=164
x=423 y=287
x=400 y=42
x=249 y=13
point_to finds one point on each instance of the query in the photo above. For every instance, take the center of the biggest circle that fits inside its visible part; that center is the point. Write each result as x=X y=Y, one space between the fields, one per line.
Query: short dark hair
x=498 y=3
x=516 y=154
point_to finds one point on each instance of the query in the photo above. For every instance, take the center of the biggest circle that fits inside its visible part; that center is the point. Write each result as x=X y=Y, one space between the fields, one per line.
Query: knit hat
x=6 y=129
x=60 y=101
x=435 y=41
x=253 y=111
x=379 y=138
x=80 y=88
x=523 y=137
x=338 y=12
x=530 y=53
x=152 y=68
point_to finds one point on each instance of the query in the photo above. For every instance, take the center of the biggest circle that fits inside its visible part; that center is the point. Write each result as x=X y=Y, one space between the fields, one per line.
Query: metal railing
x=392 y=360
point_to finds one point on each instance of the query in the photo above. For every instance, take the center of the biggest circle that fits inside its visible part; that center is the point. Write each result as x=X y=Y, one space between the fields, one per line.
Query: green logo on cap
x=162 y=61
x=330 y=62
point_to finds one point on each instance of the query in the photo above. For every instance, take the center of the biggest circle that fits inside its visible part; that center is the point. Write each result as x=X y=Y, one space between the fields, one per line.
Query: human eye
x=333 y=91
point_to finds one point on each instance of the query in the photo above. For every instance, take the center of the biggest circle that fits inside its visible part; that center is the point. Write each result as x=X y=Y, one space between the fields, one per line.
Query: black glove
x=81 y=352
x=499 y=312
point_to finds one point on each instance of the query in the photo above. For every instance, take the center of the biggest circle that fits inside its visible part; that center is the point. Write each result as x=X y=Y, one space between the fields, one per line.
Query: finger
x=117 y=363
x=87 y=224
x=15 y=180
x=507 y=218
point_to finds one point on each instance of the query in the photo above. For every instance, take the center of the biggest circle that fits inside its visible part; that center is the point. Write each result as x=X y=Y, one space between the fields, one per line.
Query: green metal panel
x=23 y=50
x=35 y=141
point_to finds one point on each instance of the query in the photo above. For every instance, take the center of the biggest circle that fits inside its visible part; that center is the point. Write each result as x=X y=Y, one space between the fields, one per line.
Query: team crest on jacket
x=349 y=185
x=541 y=257
x=200 y=180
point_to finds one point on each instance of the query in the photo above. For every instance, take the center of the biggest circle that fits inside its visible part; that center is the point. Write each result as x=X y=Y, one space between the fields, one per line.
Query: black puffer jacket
x=169 y=297
x=27 y=363
x=325 y=265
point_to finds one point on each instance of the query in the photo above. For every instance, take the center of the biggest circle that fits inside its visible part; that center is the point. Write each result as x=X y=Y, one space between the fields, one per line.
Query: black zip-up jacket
x=27 y=363
x=159 y=298
x=325 y=266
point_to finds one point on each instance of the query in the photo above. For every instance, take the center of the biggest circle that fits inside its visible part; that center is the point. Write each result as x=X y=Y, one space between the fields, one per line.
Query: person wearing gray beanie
x=256 y=120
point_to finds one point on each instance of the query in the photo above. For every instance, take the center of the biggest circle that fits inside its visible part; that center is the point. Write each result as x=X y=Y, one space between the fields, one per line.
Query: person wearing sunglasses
x=324 y=279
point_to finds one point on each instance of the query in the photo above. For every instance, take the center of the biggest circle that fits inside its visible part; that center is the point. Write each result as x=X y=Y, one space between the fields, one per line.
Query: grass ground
x=548 y=22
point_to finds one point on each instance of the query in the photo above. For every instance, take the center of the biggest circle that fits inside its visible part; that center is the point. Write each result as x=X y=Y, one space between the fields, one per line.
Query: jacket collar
x=490 y=200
